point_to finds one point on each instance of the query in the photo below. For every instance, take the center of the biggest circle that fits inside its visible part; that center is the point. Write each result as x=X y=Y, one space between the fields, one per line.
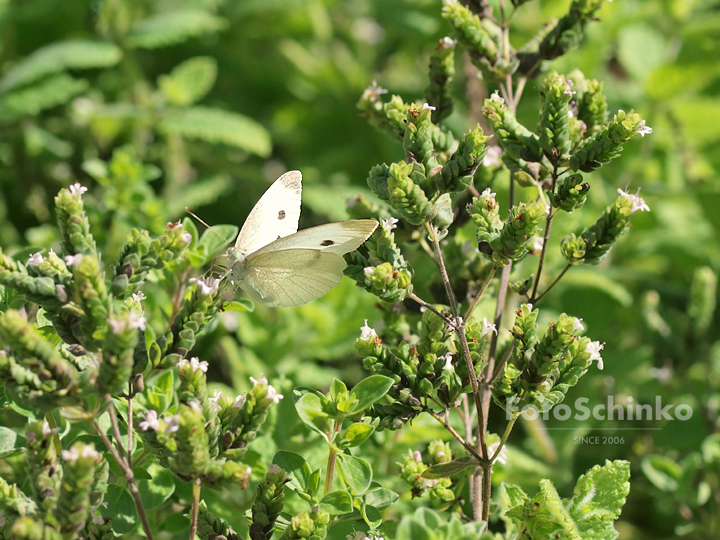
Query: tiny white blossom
x=35 y=259
x=417 y=455
x=503 y=456
x=194 y=363
x=447 y=357
x=117 y=325
x=272 y=394
x=373 y=91
x=488 y=327
x=538 y=243
x=638 y=203
x=139 y=296
x=88 y=452
x=98 y=519
x=136 y=321
x=73 y=260
x=496 y=95
x=643 y=130
x=449 y=42
x=151 y=421
x=206 y=286
x=214 y=400
x=594 y=348
x=427 y=106
x=76 y=190
x=186 y=238
x=492 y=156
x=368 y=270
x=70 y=455
x=367 y=333
x=274 y=468
x=577 y=325
x=239 y=402
x=389 y=224
x=488 y=193
x=568 y=90
x=195 y=406
x=172 y=424
x=262 y=380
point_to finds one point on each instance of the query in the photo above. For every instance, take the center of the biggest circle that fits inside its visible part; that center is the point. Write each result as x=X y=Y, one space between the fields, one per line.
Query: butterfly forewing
x=292 y=277
x=275 y=215
x=338 y=238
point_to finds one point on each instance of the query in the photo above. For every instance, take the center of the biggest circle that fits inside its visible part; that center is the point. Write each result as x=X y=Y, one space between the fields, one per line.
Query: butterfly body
x=279 y=266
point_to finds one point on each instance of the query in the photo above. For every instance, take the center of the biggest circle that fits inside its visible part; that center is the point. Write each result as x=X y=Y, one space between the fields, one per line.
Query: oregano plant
x=98 y=340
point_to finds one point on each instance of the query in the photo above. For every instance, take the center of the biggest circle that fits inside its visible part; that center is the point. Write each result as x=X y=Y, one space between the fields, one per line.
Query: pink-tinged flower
x=568 y=88
x=643 y=130
x=368 y=270
x=593 y=349
x=488 y=193
x=638 y=203
x=207 y=286
x=496 y=95
x=172 y=424
x=273 y=395
x=389 y=224
x=73 y=260
x=214 y=400
x=373 y=91
x=151 y=421
x=492 y=156
x=449 y=42
x=139 y=296
x=76 y=190
x=261 y=381
x=195 y=406
x=503 y=457
x=194 y=363
x=418 y=456
x=186 y=238
x=239 y=402
x=367 y=333
x=135 y=321
x=35 y=259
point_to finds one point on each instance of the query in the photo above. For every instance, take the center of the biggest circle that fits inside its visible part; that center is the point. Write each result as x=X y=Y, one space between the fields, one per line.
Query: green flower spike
x=442 y=71
x=516 y=140
x=268 y=504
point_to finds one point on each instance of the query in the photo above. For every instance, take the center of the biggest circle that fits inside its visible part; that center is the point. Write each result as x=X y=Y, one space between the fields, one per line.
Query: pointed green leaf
x=356 y=434
x=296 y=467
x=369 y=390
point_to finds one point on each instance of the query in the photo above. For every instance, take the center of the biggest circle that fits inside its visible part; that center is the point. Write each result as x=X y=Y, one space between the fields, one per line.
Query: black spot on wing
x=281 y=214
x=326 y=243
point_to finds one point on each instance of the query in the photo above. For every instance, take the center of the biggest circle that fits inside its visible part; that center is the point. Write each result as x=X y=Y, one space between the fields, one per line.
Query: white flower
x=373 y=91
x=194 y=363
x=496 y=95
x=492 y=156
x=117 y=325
x=186 y=238
x=427 y=106
x=448 y=360
x=136 y=321
x=449 y=42
x=488 y=193
x=503 y=456
x=274 y=468
x=88 y=452
x=568 y=90
x=151 y=421
x=46 y=428
x=139 y=296
x=417 y=455
x=239 y=402
x=73 y=260
x=76 y=190
x=214 y=400
x=172 y=424
x=593 y=348
x=262 y=380
x=488 y=327
x=367 y=333
x=35 y=259
x=368 y=270
x=642 y=129
x=577 y=325
x=538 y=243
x=195 y=406
x=638 y=203
x=70 y=455
x=389 y=224
x=97 y=518
x=206 y=286
x=273 y=395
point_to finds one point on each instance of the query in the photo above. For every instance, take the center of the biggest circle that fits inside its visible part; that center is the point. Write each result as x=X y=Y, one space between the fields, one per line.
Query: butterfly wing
x=291 y=277
x=338 y=238
x=275 y=215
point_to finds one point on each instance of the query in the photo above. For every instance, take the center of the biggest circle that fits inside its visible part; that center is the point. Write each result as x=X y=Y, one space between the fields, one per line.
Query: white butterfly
x=279 y=266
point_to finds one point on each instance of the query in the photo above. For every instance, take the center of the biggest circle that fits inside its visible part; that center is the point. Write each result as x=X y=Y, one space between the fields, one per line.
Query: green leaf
x=242 y=304
x=171 y=28
x=380 y=498
x=55 y=91
x=313 y=483
x=371 y=515
x=356 y=472
x=663 y=472
x=160 y=393
x=337 y=503
x=512 y=495
x=641 y=37
x=369 y=390
x=297 y=469
x=216 y=239
x=356 y=434
x=190 y=81
x=410 y=529
x=219 y=126
x=309 y=408
x=8 y=440
x=121 y=510
x=442 y=470
x=58 y=57
x=158 y=489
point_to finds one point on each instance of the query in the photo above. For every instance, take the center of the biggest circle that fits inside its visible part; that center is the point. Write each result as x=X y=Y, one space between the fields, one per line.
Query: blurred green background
x=275 y=86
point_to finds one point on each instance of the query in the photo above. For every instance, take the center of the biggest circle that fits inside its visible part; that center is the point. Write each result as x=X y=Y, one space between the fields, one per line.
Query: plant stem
x=480 y=293
x=332 y=455
x=548 y=223
x=130 y=425
x=453 y=432
x=130 y=478
x=505 y=436
x=197 y=485
x=503 y=361
x=423 y=303
x=536 y=300
x=116 y=429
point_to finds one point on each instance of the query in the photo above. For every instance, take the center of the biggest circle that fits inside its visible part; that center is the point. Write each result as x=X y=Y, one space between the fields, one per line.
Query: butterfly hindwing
x=275 y=215
x=292 y=277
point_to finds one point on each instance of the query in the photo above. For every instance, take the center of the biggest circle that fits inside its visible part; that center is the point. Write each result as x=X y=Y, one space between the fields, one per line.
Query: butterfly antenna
x=193 y=214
